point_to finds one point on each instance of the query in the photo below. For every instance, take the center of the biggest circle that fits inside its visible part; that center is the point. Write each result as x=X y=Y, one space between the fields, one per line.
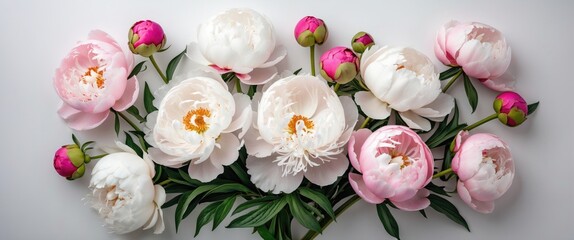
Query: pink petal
x=268 y=176
x=358 y=185
x=479 y=206
x=355 y=144
x=204 y=171
x=130 y=95
x=505 y=82
x=228 y=152
x=372 y=106
x=418 y=202
x=328 y=172
x=78 y=120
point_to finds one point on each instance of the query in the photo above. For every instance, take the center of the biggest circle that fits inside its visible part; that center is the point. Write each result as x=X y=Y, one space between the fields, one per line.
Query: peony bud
x=145 y=38
x=511 y=108
x=339 y=65
x=69 y=161
x=361 y=41
x=310 y=30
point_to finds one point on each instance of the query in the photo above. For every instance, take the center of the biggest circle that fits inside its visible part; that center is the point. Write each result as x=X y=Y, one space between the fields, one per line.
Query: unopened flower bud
x=511 y=108
x=340 y=65
x=69 y=161
x=310 y=31
x=361 y=41
x=146 y=38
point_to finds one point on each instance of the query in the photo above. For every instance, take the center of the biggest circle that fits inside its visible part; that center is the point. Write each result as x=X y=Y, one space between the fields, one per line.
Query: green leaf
x=388 y=220
x=185 y=201
x=445 y=207
x=436 y=189
x=259 y=216
x=301 y=214
x=222 y=211
x=230 y=187
x=449 y=73
x=148 y=100
x=532 y=107
x=185 y=176
x=297 y=71
x=75 y=140
x=252 y=90
x=422 y=212
x=158 y=173
x=173 y=64
x=265 y=234
x=240 y=172
x=205 y=216
x=254 y=202
x=471 y=93
x=137 y=69
x=116 y=123
x=318 y=198
x=171 y=202
x=446 y=162
x=446 y=130
x=130 y=142
x=84 y=146
x=134 y=111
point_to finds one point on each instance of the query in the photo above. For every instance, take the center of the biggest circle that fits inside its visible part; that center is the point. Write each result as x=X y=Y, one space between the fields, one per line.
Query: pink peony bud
x=511 y=108
x=69 y=161
x=361 y=41
x=146 y=37
x=339 y=64
x=310 y=30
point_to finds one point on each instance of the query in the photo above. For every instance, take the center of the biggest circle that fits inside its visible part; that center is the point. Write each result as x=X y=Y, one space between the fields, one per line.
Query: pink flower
x=361 y=41
x=339 y=64
x=511 y=108
x=395 y=164
x=69 y=162
x=91 y=79
x=484 y=167
x=479 y=49
x=146 y=37
x=310 y=30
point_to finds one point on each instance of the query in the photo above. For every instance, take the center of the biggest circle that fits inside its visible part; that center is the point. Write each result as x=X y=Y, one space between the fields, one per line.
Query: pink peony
x=91 y=79
x=395 y=164
x=361 y=41
x=69 y=162
x=146 y=37
x=310 y=31
x=511 y=108
x=479 y=49
x=339 y=64
x=484 y=167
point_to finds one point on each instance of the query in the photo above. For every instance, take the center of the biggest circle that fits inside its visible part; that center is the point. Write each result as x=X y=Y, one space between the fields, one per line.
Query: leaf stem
x=123 y=116
x=452 y=80
x=312 y=58
x=154 y=63
x=328 y=220
x=98 y=156
x=165 y=182
x=485 y=120
x=337 y=85
x=442 y=173
x=367 y=120
x=238 y=84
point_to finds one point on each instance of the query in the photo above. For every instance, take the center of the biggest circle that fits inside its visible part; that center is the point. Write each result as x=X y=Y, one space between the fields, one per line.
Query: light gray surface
x=37 y=204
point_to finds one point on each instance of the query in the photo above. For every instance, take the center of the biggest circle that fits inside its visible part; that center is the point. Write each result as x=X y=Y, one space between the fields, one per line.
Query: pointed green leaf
x=230 y=187
x=75 y=140
x=134 y=111
x=171 y=66
x=447 y=208
x=171 y=202
x=388 y=220
x=436 y=189
x=148 y=100
x=449 y=73
x=185 y=176
x=130 y=142
x=471 y=93
x=259 y=216
x=116 y=123
x=532 y=107
x=205 y=216
x=222 y=211
x=253 y=203
x=265 y=234
x=318 y=198
x=158 y=173
x=137 y=69
x=185 y=201
x=446 y=162
x=297 y=71
x=301 y=214
x=422 y=212
x=85 y=146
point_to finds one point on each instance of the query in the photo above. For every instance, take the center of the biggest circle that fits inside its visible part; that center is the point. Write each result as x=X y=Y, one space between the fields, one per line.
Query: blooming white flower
x=123 y=192
x=301 y=129
x=240 y=41
x=195 y=122
x=402 y=79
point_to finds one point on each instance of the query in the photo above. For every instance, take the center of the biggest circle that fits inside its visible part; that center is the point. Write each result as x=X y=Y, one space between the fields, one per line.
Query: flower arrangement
x=266 y=147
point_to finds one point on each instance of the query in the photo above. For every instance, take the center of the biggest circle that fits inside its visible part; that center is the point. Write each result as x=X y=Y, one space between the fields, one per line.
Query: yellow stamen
x=94 y=72
x=194 y=120
x=292 y=125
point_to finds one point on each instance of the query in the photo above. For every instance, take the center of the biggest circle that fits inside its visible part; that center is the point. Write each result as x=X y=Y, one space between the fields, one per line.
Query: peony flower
x=123 y=193
x=194 y=124
x=146 y=38
x=402 y=79
x=300 y=131
x=361 y=41
x=511 y=108
x=240 y=41
x=69 y=161
x=484 y=167
x=479 y=49
x=310 y=30
x=339 y=64
x=92 y=79
x=395 y=164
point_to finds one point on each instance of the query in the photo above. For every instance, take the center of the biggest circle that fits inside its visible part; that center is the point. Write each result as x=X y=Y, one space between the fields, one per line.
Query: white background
x=36 y=203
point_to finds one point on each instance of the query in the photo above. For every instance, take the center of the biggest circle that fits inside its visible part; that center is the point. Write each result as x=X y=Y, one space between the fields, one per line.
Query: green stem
x=337 y=85
x=327 y=220
x=451 y=81
x=367 y=120
x=485 y=120
x=98 y=156
x=312 y=58
x=238 y=85
x=123 y=116
x=154 y=63
x=165 y=182
x=442 y=173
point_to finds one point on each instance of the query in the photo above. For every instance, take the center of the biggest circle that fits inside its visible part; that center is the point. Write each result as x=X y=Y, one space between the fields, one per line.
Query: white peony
x=195 y=122
x=123 y=193
x=301 y=129
x=240 y=41
x=402 y=79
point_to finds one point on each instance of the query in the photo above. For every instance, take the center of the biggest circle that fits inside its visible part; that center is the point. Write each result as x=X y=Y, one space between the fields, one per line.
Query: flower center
x=194 y=120
x=93 y=77
x=401 y=159
x=292 y=126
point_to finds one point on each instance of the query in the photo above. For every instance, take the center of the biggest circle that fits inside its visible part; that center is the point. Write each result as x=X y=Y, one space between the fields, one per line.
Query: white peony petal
x=195 y=55
x=228 y=151
x=328 y=172
x=164 y=159
x=242 y=116
x=415 y=121
x=278 y=54
x=260 y=76
x=204 y=171
x=441 y=106
x=267 y=176
x=372 y=106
